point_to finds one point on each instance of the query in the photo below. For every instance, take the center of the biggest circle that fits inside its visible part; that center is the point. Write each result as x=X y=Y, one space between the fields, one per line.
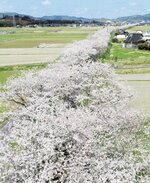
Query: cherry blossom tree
x=71 y=122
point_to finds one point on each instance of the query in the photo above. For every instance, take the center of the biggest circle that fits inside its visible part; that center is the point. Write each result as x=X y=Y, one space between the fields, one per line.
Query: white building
x=146 y=36
x=121 y=36
x=140 y=32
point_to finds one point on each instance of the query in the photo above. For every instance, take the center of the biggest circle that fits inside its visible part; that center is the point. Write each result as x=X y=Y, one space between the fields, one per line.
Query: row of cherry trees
x=71 y=123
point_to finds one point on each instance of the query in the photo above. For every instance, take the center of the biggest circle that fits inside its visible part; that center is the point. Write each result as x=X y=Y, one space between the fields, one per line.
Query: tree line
x=7 y=21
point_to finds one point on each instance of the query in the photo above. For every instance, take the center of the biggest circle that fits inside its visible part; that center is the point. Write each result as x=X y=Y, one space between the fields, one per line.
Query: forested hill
x=135 y=18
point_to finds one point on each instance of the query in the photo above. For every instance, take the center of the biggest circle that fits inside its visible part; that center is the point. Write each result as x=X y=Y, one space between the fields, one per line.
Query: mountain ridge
x=133 y=18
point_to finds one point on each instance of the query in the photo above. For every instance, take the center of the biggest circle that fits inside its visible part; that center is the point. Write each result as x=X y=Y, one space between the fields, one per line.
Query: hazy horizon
x=84 y=8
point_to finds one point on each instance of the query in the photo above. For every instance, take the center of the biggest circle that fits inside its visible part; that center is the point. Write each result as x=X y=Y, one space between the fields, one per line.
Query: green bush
x=115 y=40
x=144 y=46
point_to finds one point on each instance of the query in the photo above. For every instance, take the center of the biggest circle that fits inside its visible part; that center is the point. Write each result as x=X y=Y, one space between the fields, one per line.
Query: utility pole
x=14 y=21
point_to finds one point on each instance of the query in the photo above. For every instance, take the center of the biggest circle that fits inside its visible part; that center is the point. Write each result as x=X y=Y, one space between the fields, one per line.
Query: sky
x=80 y=8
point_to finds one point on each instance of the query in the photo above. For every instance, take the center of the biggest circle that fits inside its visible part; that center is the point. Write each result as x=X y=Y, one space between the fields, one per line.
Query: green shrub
x=115 y=40
x=144 y=46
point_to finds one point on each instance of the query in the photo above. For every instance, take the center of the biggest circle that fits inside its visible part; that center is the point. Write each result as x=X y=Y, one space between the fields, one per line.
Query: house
x=122 y=32
x=133 y=39
x=121 y=36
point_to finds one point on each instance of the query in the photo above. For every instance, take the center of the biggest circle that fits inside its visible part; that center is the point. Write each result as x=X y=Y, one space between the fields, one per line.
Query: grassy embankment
x=14 y=71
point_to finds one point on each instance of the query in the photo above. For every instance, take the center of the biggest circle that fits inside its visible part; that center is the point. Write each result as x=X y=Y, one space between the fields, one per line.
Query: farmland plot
x=40 y=45
x=139 y=28
x=140 y=86
x=21 y=56
x=30 y=37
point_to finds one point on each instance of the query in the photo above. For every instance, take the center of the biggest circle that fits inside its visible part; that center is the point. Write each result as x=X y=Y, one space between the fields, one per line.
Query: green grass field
x=139 y=28
x=129 y=56
x=14 y=71
x=32 y=37
x=129 y=60
x=4 y=75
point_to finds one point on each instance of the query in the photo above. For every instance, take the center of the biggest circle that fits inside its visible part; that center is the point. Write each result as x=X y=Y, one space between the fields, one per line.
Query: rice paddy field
x=132 y=55
x=33 y=37
x=141 y=100
x=37 y=45
x=21 y=56
x=129 y=60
